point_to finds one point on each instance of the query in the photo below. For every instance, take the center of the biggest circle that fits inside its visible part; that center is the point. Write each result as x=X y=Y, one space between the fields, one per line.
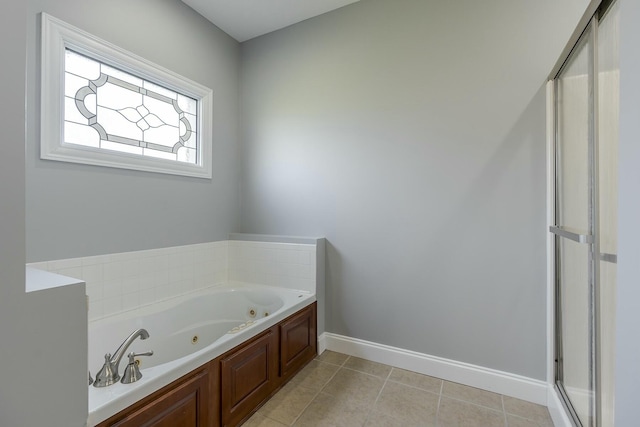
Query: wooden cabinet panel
x=298 y=342
x=183 y=413
x=184 y=403
x=248 y=376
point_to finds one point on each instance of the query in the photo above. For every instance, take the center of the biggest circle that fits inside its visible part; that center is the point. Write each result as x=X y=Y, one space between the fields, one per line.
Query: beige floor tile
x=414 y=379
x=315 y=375
x=473 y=395
x=377 y=419
x=528 y=410
x=258 y=420
x=368 y=367
x=464 y=414
x=413 y=406
x=329 y=411
x=287 y=405
x=332 y=357
x=353 y=386
x=336 y=390
x=513 y=421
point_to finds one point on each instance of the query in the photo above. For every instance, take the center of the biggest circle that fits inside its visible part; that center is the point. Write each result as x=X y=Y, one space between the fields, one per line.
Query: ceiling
x=246 y=19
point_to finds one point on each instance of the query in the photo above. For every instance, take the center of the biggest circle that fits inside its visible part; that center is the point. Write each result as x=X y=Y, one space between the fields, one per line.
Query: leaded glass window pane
x=110 y=109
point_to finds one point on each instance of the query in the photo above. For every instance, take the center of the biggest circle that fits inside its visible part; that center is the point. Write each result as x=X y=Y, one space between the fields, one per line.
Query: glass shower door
x=574 y=231
x=586 y=152
x=608 y=116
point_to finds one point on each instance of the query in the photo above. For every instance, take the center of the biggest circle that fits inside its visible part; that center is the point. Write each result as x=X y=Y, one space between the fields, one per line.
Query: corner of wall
x=320 y=283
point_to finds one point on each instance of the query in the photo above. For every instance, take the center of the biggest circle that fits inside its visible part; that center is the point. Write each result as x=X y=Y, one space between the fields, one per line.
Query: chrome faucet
x=109 y=373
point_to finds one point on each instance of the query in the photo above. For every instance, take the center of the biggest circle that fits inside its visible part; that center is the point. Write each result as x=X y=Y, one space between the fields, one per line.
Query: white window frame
x=57 y=36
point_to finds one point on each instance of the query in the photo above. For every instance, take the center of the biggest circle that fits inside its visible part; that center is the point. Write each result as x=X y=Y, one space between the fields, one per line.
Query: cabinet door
x=298 y=342
x=184 y=405
x=248 y=376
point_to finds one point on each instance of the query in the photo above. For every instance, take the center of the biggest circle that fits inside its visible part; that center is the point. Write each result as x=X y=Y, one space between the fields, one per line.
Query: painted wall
x=43 y=334
x=412 y=135
x=76 y=210
x=628 y=299
x=490 y=143
x=68 y=210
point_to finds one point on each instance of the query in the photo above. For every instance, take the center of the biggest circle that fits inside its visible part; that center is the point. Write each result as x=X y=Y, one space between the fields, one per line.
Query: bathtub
x=184 y=333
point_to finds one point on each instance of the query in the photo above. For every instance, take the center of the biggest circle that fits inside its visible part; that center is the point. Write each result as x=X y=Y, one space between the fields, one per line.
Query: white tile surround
x=289 y=265
x=124 y=281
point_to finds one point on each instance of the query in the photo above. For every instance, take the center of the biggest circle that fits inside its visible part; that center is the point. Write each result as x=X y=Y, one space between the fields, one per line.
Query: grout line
x=329 y=380
x=365 y=373
x=460 y=399
x=345 y=361
x=384 y=384
x=416 y=387
x=329 y=363
x=389 y=374
x=319 y=390
x=504 y=413
x=473 y=403
x=439 y=400
x=295 y=420
x=385 y=379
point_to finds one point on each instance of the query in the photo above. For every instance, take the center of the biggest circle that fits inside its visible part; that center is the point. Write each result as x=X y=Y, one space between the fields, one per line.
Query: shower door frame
x=588 y=40
x=588 y=28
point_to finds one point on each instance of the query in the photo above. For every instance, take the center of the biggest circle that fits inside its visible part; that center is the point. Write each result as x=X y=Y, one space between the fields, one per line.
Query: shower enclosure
x=585 y=92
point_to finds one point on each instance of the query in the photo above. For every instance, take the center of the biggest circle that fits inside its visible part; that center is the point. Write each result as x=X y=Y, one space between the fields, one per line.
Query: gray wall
x=75 y=210
x=44 y=342
x=628 y=310
x=335 y=129
x=412 y=135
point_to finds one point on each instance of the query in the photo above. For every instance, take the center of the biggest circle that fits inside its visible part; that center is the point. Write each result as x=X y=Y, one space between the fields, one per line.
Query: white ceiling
x=246 y=19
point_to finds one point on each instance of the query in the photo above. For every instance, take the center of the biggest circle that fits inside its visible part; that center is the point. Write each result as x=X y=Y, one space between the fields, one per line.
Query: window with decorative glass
x=112 y=108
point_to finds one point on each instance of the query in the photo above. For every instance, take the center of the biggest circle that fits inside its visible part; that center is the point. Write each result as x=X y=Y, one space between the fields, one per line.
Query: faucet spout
x=121 y=351
x=109 y=373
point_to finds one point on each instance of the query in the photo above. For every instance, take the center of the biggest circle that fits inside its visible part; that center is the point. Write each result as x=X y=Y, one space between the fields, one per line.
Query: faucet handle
x=107 y=375
x=132 y=372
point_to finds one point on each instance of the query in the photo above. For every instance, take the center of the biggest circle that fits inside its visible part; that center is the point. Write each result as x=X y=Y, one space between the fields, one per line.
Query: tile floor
x=345 y=391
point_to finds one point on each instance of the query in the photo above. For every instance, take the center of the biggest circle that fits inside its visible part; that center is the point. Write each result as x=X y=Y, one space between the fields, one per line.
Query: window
x=104 y=106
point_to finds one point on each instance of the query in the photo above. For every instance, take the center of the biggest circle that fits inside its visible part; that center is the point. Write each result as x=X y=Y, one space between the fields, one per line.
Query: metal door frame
x=593 y=236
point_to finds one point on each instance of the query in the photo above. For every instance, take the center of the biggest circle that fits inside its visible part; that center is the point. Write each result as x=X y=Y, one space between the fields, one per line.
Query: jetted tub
x=184 y=333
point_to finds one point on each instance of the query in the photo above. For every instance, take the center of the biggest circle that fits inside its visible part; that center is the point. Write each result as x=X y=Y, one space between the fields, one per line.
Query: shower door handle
x=576 y=237
x=583 y=238
x=612 y=258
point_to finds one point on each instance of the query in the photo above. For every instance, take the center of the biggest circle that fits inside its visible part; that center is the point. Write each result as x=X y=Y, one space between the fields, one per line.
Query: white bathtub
x=220 y=317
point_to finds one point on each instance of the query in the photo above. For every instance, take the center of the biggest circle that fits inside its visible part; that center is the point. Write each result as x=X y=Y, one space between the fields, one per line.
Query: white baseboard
x=322 y=343
x=505 y=383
